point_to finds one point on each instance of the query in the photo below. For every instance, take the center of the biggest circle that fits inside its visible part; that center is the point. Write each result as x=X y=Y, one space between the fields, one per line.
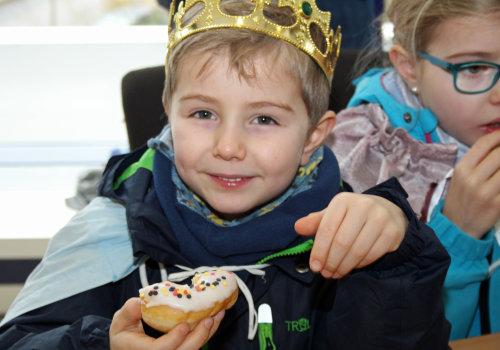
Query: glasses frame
x=455 y=67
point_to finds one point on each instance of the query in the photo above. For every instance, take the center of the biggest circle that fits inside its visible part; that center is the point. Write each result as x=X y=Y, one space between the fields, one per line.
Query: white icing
x=206 y=289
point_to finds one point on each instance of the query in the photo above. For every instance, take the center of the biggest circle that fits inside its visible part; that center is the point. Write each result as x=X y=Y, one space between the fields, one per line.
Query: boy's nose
x=229 y=143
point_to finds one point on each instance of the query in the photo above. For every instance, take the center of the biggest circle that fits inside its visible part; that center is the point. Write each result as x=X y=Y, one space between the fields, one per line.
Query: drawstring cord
x=493 y=267
x=438 y=194
x=187 y=272
x=142 y=274
x=496 y=264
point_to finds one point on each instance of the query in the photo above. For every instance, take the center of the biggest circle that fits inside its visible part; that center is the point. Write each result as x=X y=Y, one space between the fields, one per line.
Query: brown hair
x=243 y=47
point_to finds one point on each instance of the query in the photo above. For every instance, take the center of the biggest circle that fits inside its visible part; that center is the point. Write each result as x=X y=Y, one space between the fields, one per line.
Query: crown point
x=306 y=16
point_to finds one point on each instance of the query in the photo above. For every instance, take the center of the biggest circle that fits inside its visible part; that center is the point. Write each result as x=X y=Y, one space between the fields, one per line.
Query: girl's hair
x=244 y=47
x=415 y=21
x=414 y=24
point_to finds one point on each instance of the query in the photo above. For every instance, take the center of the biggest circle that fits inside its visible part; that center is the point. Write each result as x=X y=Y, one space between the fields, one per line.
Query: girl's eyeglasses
x=469 y=77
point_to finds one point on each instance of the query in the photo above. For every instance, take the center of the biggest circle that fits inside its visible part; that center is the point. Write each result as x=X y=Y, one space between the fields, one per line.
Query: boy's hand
x=473 y=199
x=352 y=232
x=126 y=331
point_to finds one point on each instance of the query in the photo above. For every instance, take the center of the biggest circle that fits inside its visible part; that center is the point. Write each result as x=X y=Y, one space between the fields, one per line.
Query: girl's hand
x=473 y=199
x=352 y=232
x=126 y=331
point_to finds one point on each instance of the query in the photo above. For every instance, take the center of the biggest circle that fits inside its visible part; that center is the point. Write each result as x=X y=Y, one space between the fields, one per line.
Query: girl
x=433 y=121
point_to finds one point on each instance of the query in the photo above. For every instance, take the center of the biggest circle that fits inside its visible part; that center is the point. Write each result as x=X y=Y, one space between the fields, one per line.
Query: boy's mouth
x=230 y=181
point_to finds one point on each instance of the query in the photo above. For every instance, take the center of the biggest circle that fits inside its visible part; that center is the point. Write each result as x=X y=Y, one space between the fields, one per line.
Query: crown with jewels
x=307 y=15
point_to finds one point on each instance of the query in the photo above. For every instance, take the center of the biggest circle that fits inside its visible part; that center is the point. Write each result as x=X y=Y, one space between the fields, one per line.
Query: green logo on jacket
x=300 y=326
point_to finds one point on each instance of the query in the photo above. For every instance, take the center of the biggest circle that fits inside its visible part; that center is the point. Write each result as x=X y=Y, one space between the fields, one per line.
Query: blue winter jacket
x=470 y=258
x=395 y=303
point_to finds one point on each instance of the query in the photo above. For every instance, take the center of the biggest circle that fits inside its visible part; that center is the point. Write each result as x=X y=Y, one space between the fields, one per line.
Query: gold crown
x=306 y=12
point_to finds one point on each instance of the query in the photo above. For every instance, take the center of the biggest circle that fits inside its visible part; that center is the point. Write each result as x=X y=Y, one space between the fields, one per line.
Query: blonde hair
x=414 y=24
x=415 y=21
x=244 y=47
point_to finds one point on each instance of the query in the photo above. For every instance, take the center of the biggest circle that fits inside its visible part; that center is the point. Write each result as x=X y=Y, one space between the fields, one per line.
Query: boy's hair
x=244 y=46
x=415 y=21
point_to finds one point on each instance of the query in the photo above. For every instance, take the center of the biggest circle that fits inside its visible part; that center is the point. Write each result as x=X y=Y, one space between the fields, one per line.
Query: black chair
x=142 y=90
x=142 y=106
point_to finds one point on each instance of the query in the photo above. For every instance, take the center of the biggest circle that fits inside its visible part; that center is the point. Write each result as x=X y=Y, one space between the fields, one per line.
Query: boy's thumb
x=129 y=315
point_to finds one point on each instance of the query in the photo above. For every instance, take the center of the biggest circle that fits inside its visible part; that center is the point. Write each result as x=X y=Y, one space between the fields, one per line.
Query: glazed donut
x=166 y=304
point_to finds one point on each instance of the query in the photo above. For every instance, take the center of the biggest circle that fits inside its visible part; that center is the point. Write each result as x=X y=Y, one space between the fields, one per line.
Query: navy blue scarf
x=206 y=243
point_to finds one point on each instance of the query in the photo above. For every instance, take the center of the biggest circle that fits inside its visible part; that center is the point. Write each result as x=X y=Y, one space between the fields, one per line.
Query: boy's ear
x=317 y=135
x=404 y=64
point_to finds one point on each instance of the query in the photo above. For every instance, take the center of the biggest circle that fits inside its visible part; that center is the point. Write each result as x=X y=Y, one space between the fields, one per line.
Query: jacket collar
x=370 y=88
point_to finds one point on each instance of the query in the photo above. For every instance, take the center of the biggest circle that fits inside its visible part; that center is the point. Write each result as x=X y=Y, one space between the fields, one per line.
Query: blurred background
x=61 y=117
x=78 y=12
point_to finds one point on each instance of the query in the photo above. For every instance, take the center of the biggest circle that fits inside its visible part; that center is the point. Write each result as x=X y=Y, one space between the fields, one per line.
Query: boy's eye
x=203 y=115
x=264 y=120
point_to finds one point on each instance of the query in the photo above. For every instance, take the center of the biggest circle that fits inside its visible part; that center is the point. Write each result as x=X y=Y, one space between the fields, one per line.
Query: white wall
x=61 y=113
x=72 y=87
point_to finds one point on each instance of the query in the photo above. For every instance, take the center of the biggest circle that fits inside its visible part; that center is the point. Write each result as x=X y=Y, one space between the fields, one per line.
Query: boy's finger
x=342 y=244
x=380 y=248
x=308 y=225
x=199 y=335
x=325 y=235
x=172 y=340
x=359 y=250
x=217 y=320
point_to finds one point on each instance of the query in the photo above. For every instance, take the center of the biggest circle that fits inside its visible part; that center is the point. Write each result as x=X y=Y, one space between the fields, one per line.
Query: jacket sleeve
x=396 y=302
x=78 y=322
x=469 y=267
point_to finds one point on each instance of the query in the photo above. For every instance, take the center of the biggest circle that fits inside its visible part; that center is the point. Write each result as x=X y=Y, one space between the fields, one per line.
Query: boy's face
x=237 y=143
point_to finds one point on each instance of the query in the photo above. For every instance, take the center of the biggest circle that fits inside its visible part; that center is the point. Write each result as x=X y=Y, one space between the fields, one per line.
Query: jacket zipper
x=299 y=249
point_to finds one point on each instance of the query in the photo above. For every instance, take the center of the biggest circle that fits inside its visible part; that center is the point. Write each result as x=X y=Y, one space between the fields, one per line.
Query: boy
x=240 y=162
